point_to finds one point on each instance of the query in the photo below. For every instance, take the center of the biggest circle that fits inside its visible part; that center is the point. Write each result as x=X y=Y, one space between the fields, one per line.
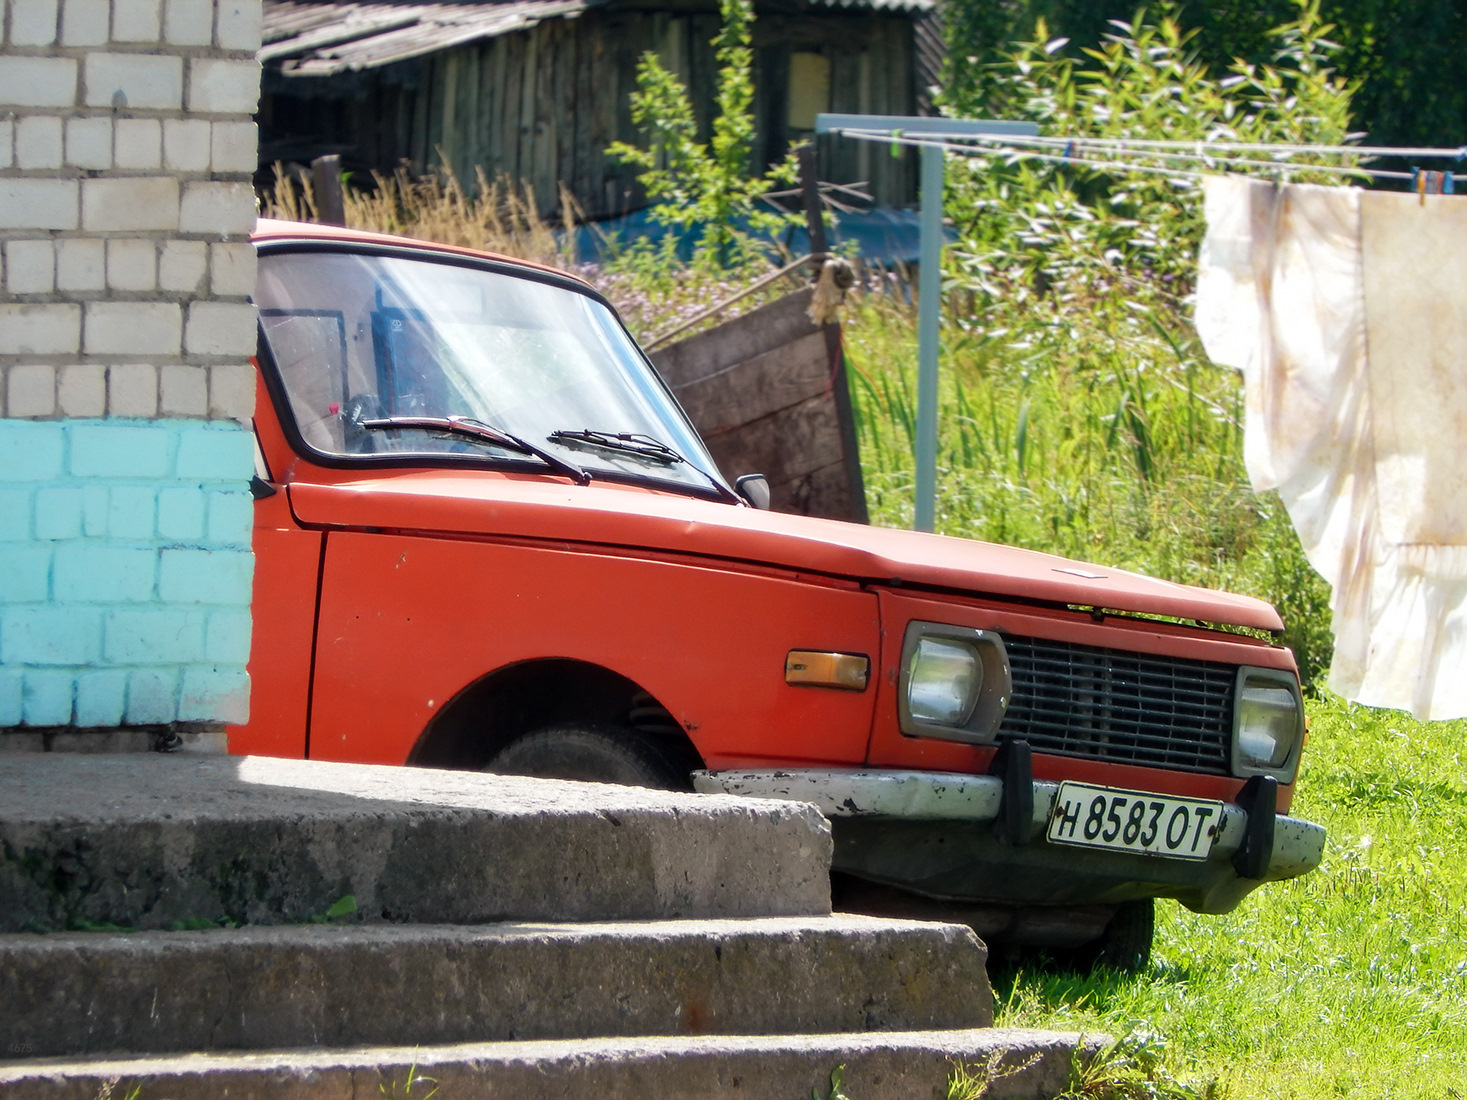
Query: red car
x=487 y=537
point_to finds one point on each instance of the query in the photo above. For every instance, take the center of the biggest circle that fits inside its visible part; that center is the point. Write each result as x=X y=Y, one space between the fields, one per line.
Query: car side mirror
x=755 y=489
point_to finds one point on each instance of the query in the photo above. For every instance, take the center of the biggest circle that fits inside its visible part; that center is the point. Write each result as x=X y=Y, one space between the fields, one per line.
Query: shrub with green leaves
x=1051 y=228
x=1078 y=412
x=707 y=185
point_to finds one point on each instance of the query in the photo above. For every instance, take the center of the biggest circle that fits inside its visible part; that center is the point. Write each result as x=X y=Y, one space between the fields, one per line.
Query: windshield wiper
x=642 y=446
x=632 y=443
x=484 y=433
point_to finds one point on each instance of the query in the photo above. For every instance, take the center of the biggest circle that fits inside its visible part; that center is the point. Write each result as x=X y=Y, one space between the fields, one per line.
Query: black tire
x=1125 y=945
x=598 y=753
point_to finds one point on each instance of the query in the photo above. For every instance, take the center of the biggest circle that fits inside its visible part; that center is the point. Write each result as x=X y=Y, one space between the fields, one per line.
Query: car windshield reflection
x=362 y=339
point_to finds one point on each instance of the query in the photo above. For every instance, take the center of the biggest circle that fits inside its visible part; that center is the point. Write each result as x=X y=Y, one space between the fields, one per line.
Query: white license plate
x=1134 y=821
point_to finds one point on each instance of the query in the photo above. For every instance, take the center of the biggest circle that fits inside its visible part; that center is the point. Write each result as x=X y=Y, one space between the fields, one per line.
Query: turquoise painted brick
x=15 y=514
x=30 y=450
x=11 y=686
x=58 y=513
x=85 y=572
x=50 y=636
x=154 y=636
x=25 y=573
x=101 y=697
x=151 y=697
x=206 y=576
x=181 y=515
x=231 y=518
x=122 y=450
x=125 y=572
x=130 y=512
x=221 y=695
x=227 y=641
x=47 y=698
x=215 y=452
x=96 y=511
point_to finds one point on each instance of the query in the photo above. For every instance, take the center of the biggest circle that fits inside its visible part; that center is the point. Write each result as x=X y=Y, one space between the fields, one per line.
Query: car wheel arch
x=527 y=696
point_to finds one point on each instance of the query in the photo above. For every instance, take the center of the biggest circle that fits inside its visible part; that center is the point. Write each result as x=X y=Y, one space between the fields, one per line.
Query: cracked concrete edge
x=146 y=841
x=274 y=987
x=1023 y=1065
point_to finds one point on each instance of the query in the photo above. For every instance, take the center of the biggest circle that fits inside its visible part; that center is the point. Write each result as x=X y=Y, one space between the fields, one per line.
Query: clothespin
x=1449 y=184
x=1069 y=149
x=1418 y=184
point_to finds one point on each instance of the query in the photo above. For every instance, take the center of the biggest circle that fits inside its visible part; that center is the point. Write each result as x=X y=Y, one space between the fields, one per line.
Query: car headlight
x=1268 y=723
x=954 y=682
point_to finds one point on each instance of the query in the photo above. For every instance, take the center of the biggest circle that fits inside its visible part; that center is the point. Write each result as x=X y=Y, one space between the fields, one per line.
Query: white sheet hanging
x=1347 y=313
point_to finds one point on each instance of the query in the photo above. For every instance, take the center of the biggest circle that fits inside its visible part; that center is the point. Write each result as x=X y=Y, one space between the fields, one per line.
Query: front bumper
x=944 y=835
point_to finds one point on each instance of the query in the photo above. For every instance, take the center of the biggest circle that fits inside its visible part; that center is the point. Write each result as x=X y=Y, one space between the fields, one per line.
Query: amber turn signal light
x=810 y=668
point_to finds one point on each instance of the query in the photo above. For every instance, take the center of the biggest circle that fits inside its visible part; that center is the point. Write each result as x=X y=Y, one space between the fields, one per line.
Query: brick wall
x=126 y=146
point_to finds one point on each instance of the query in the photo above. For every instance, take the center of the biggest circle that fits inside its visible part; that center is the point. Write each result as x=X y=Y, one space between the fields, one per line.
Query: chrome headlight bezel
x=990 y=696
x=1283 y=763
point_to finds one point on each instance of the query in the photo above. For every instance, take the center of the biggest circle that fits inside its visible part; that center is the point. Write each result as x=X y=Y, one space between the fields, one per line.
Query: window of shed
x=809 y=89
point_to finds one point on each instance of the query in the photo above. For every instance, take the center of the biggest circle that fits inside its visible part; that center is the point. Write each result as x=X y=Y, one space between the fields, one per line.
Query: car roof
x=268 y=230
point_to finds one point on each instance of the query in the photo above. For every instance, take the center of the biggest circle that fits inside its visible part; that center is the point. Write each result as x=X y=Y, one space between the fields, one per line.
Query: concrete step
x=150 y=840
x=283 y=986
x=884 y=1066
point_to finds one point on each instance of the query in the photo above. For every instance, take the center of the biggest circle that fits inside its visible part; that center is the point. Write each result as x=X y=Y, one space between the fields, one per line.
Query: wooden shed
x=537 y=89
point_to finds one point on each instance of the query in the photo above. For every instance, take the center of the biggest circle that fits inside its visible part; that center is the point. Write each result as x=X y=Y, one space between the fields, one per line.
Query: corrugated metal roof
x=320 y=39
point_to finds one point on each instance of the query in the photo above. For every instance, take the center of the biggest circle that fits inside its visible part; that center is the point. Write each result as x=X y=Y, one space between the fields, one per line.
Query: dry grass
x=497 y=216
x=652 y=289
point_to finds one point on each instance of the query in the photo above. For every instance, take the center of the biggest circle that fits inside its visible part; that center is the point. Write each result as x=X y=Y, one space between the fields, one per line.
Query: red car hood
x=434 y=501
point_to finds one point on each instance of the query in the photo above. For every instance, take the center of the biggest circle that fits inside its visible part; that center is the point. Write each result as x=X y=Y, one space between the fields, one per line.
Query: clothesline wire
x=1277 y=147
x=917 y=141
x=1006 y=146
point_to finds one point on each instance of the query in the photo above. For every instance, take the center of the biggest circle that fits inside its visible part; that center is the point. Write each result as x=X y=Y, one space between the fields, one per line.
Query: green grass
x=1348 y=982
x=1107 y=437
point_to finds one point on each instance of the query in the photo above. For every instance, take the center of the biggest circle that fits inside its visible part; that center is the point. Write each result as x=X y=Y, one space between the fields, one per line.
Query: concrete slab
x=893 y=1066
x=148 y=840
x=271 y=987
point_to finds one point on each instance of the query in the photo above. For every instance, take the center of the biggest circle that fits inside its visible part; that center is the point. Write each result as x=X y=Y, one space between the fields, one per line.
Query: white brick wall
x=38 y=204
x=33 y=22
x=134 y=81
x=132 y=328
x=126 y=148
x=89 y=142
x=30 y=267
x=132 y=264
x=224 y=87
x=85 y=22
x=126 y=203
x=81 y=390
x=188 y=22
x=38 y=142
x=186 y=145
x=37 y=81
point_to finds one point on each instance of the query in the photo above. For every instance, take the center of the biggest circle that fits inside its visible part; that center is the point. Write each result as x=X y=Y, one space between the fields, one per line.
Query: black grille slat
x=1128 y=708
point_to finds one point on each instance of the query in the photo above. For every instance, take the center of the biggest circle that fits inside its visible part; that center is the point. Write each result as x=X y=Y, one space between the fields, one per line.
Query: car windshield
x=397 y=357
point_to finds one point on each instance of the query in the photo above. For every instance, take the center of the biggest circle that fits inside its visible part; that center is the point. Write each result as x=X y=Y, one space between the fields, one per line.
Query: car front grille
x=1120 y=707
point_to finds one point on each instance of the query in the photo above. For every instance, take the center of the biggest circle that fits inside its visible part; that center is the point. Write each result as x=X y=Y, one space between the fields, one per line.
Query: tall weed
x=707 y=187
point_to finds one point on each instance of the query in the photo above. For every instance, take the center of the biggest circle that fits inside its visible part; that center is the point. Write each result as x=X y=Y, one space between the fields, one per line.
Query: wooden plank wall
x=542 y=105
x=758 y=389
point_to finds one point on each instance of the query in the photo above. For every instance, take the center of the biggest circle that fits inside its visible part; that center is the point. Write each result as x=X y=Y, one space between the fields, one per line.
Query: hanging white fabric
x=1347 y=313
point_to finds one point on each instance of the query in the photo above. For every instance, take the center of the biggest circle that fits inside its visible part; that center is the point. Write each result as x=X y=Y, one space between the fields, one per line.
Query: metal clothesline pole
x=929 y=287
